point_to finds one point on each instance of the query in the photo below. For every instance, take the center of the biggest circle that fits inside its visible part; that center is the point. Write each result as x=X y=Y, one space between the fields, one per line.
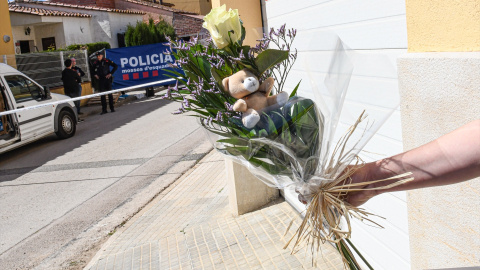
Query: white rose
x=219 y=22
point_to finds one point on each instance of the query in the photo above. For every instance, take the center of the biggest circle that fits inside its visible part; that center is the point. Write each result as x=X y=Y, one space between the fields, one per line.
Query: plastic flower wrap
x=286 y=140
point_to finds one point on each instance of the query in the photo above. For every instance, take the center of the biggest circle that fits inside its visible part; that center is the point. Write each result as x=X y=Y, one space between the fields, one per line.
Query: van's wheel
x=67 y=125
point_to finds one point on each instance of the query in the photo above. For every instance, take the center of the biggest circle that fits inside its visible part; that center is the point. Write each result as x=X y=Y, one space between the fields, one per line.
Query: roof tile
x=45 y=12
x=154 y=5
x=48 y=3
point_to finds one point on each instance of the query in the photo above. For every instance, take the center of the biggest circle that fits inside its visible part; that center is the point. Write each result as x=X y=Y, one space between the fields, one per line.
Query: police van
x=19 y=91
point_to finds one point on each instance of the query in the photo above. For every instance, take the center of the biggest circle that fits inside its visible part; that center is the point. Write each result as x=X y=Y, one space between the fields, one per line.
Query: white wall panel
x=335 y=13
x=77 y=31
x=375 y=33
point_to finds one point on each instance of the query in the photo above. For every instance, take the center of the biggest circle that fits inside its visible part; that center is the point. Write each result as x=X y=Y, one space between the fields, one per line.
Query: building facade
x=38 y=26
x=186 y=22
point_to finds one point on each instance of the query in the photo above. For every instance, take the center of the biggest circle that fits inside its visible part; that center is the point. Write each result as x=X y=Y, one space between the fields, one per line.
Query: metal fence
x=46 y=67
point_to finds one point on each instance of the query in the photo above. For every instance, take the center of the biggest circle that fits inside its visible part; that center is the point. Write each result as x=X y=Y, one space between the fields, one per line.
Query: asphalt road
x=59 y=197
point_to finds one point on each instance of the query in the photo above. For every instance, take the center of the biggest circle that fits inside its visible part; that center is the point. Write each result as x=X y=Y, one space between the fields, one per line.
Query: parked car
x=19 y=91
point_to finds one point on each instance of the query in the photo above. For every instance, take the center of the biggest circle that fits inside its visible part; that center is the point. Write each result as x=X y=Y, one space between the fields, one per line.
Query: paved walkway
x=190 y=226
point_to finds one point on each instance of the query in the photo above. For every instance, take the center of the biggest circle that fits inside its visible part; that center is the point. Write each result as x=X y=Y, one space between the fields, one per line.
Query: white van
x=19 y=91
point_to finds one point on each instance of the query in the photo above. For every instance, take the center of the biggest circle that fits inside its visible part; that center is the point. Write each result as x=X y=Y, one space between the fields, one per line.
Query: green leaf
x=203 y=65
x=269 y=58
x=262 y=133
x=294 y=92
x=224 y=134
x=359 y=254
x=285 y=132
x=174 y=72
x=271 y=126
x=201 y=112
x=342 y=250
x=184 y=92
x=247 y=65
x=242 y=38
x=240 y=133
x=246 y=50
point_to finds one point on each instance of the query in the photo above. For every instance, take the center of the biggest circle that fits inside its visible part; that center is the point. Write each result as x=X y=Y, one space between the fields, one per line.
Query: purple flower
x=228 y=106
x=176 y=86
x=186 y=102
x=219 y=116
x=272 y=33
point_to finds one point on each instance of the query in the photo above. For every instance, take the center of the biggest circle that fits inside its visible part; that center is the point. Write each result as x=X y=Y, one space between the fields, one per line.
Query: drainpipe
x=261 y=14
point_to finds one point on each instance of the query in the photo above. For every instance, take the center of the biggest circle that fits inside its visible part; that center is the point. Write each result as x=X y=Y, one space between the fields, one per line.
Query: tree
x=143 y=33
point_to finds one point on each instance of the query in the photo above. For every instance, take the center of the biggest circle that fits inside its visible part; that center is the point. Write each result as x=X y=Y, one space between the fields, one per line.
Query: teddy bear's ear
x=225 y=84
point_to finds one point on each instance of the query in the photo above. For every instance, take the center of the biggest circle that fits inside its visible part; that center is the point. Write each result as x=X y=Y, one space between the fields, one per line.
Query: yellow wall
x=250 y=13
x=443 y=25
x=5 y=29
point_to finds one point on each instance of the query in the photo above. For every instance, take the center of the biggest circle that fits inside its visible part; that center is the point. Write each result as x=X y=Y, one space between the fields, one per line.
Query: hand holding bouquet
x=285 y=140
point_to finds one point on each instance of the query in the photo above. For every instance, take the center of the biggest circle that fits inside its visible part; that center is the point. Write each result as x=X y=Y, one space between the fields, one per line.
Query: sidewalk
x=97 y=108
x=190 y=226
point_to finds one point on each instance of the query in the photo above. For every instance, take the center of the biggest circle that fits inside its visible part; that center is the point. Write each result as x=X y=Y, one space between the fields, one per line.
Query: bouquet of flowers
x=284 y=139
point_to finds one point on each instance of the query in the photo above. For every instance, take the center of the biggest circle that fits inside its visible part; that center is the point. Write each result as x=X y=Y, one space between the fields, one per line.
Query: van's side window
x=34 y=89
x=22 y=88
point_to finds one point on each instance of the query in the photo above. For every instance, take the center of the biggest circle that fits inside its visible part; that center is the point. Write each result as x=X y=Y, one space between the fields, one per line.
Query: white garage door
x=376 y=29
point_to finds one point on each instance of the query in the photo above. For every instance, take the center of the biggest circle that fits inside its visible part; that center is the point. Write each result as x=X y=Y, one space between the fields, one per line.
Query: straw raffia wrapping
x=327 y=206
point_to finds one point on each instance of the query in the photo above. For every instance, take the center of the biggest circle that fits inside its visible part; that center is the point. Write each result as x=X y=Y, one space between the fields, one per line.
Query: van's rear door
x=8 y=123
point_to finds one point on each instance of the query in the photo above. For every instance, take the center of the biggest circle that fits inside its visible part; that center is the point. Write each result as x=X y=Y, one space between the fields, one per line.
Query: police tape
x=83 y=97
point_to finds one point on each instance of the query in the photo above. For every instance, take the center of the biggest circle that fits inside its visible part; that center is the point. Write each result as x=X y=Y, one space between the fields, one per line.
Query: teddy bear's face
x=241 y=84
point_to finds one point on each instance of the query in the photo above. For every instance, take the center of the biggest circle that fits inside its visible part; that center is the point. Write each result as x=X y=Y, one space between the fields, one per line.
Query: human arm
x=77 y=78
x=450 y=159
x=81 y=72
x=111 y=64
x=95 y=66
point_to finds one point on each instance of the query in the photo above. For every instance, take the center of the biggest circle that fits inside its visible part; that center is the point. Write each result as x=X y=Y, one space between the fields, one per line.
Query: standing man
x=71 y=79
x=103 y=74
x=81 y=74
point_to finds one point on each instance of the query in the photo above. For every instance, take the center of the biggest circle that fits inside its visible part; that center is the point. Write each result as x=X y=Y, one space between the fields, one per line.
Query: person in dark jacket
x=71 y=79
x=103 y=74
x=81 y=74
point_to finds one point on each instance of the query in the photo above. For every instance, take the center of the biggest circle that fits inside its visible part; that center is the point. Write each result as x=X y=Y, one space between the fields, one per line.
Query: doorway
x=48 y=43
x=24 y=46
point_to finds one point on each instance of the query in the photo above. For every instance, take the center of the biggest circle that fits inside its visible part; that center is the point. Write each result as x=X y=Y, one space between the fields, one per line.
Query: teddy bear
x=253 y=98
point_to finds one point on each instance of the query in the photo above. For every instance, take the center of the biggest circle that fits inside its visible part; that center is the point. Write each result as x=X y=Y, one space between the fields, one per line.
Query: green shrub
x=90 y=47
x=75 y=47
x=96 y=46
x=151 y=33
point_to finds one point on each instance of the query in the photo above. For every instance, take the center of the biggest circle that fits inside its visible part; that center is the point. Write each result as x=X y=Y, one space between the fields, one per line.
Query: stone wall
x=186 y=25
